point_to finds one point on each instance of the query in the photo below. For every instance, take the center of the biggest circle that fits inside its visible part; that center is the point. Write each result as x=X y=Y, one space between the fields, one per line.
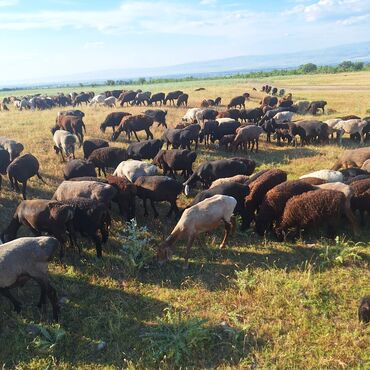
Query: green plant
x=48 y=339
x=245 y=279
x=136 y=247
x=176 y=338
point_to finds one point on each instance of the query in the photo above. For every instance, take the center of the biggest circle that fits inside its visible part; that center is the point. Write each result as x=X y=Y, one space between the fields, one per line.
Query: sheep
x=313 y=180
x=209 y=129
x=158 y=115
x=283 y=117
x=65 y=142
x=90 y=145
x=352 y=158
x=327 y=175
x=73 y=124
x=147 y=149
x=230 y=113
x=205 y=114
x=202 y=217
x=85 y=189
x=113 y=120
x=247 y=135
x=258 y=189
x=237 y=101
x=364 y=309
x=315 y=130
x=274 y=202
x=27 y=258
x=14 y=148
x=132 y=169
x=226 y=141
x=158 y=189
x=361 y=197
x=352 y=172
x=21 y=170
x=41 y=215
x=182 y=100
x=78 y=168
x=366 y=166
x=4 y=163
x=188 y=135
x=110 y=101
x=314 y=207
x=190 y=115
x=226 y=126
x=174 y=160
x=104 y=158
x=251 y=115
x=90 y=217
x=172 y=136
x=133 y=124
x=242 y=179
x=352 y=127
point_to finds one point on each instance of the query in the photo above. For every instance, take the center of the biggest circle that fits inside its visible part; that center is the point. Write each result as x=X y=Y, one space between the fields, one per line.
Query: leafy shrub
x=245 y=279
x=48 y=339
x=136 y=247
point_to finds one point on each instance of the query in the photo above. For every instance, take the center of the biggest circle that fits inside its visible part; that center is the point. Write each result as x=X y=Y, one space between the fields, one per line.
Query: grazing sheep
x=175 y=160
x=283 y=117
x=230 y=113
x=209 y=129
x=90 y=217
x=316 y=105
x=205 y=114
x=147 y=149
x=104 y=158
x=85 y=189
x=113 y=120
x=110 y=101
x=132 y=169
x=251 y=115
x=14 y=149
x=202 y=217
x=133 y=124
x=182 y=100
x=158 y=97
x=73 y=124
x=242 y=179
x=65 y=142
x=78 y=168
x=352 y=158
x=238 y=101
x=258 y=189
x=364 y=309
x=90 y=145
x=327 y=175
x=315 y=130
x=352 y=127
x=274 y=202
x=226 y=141
x=188 y=135
x=190 y=115
x=158 y=189
x=27 y=258
x=21 y=170
x=4 y=163
x=247 y=136
x=312 y=208
x=158 y=115
x=172 y=136
x=226 y=126
x=361 y=197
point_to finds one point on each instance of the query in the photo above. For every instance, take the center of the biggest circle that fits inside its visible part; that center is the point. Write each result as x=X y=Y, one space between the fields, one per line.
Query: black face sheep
x=361 y=197
x=78 y=168
x=226 y=126
x=133 y=169
x=22 y=169
x=113 y=120
x=188 y=135
x=352 y=158
x=104 y=158
x=364 y=310
x=272 y=207
x=174 y=160
x=317 y=207
x=147 y=149
x=14 y=149
x=90 y=217
x=209 y=171
x=209 y=129
x=158 y=115
x=90 y=145
x=4 y=163
x=158 y=189
x=24 y=259
x=258 y=189
x=65 y=142
x=202 y=217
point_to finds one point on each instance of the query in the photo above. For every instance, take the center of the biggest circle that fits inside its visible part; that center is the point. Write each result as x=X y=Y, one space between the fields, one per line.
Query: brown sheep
x=352 y=158
x=361 y=198
x=72 y=124
x=129 y=124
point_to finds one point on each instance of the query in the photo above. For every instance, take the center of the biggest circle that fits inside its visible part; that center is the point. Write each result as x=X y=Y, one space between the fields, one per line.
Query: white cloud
x=94 y=45
x=354 y=20
x=5 y=3
x=208 y=2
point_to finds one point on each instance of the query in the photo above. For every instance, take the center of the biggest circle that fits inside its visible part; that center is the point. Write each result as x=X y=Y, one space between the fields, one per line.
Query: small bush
x=136 y=241
x=48 y=339
x=245 y=279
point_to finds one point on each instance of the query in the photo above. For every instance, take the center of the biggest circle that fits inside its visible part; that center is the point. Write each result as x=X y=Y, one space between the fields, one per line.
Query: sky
x=42 y=39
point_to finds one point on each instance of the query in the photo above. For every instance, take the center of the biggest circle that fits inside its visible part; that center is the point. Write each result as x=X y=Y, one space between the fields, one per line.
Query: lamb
x=352 y=158
x=242 y=179
x=327 y=175
x=14 y=148
x=202 y=217
x=27 y=258
x=158 y=189
x=41 y=215
x=147 y=149
x=274 y=202
x=21 y=170
x=361 y=198
x=4 y=163
x=85 y=189
x=174 y=160
x=258 y=189
x=104 y=158
x=90 y=145
x=90 y=217
x=65 y=142
x=312 y=208
x=78 y=168
x=132 y=169
x=247 y=135
x=364 y=309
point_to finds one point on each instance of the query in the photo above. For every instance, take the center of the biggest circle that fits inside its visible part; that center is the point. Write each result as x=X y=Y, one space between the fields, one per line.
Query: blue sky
x=62 y=37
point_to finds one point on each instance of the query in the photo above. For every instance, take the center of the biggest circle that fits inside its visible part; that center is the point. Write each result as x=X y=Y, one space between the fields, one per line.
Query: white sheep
x=202 y=217
x=285 y=116
x=226 y=180
x=352 y=126
x=326 y=175
x=110 y=101
x=190 y=115
x=11 y=146
x=65 y=142
x=133 y=169
x=97 y=99
x=27 y=258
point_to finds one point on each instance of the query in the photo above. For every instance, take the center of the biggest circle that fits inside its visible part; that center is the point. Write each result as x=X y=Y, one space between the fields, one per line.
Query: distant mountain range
x=220 y=67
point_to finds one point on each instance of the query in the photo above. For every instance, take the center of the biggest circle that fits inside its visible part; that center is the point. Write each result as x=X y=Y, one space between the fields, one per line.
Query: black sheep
x=147 y=149
x=104 y=158
x=78 y=168
x=113 y=120
x=4 y=163
x=90 y=145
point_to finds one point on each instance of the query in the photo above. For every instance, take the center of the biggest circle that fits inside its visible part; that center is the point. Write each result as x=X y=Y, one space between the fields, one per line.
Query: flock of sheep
x=266 y=200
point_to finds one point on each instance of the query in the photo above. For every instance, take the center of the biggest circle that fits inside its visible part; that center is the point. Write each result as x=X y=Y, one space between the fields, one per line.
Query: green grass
x=258 y=303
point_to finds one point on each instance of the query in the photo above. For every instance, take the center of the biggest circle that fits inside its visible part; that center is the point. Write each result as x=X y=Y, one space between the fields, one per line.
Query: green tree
x=141 y=80
x=308 y=68
x=110 y=83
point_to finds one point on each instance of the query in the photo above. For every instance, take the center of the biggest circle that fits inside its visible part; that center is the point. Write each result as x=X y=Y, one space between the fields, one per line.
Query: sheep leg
x=98 y=247
x=228 y=227
x=137 y=136
x=145 y=208
x=52 y=295
x=24 y=189
x=6 y=293
x=188 y=247
x=256 y=145
x=153 y=207
x=42 y=300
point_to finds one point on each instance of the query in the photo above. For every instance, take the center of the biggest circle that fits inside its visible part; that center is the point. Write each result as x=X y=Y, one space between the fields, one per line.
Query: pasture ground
x=266 y=304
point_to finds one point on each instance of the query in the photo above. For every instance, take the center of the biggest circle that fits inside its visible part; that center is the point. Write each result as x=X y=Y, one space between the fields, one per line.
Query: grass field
x=256 y=304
